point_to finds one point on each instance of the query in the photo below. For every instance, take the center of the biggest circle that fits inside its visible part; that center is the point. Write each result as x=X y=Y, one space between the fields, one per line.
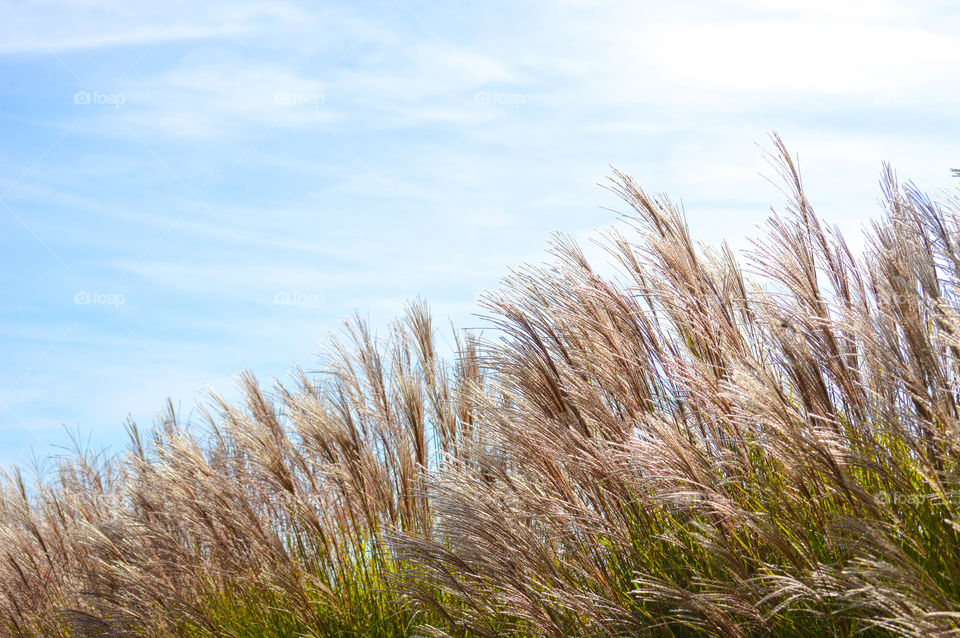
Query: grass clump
x=705 y=445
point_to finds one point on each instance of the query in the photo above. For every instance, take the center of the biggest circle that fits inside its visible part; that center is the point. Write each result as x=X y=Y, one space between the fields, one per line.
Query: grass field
x=706 y=445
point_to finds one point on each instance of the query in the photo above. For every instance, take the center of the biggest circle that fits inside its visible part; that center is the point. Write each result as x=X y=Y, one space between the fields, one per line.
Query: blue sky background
x=183 y=166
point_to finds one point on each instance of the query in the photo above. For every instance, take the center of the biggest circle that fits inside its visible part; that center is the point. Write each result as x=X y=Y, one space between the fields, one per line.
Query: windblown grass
x=705 y=446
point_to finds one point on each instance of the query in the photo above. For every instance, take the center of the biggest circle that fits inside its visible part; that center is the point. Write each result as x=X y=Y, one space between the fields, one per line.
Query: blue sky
x=172 y=173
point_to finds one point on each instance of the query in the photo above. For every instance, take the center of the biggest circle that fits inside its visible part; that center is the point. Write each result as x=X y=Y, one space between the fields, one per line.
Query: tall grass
x=705 y=445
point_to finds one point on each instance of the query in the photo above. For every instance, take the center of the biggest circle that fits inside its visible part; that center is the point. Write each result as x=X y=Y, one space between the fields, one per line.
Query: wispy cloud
x=61 y=26
x=211 y=99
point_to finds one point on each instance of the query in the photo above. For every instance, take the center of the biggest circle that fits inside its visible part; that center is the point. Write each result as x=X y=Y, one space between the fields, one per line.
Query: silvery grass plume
x=705 y=445
x=266 y=519
x=715 y=447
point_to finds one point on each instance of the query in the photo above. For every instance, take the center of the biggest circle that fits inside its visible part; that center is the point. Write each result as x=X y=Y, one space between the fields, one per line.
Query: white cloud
x=30 y=27
x=801 y=58
x=425 y=82
x=210 y=99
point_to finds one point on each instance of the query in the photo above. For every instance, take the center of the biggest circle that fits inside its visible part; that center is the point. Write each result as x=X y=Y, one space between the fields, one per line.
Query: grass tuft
x=705 y=445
